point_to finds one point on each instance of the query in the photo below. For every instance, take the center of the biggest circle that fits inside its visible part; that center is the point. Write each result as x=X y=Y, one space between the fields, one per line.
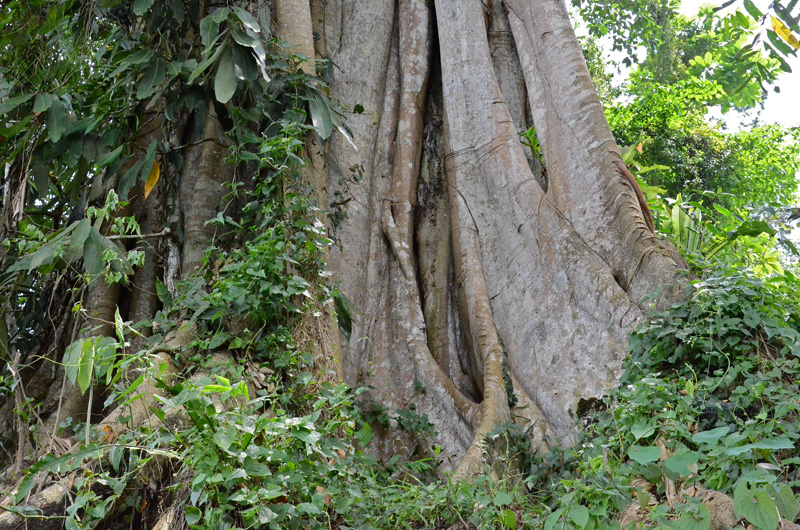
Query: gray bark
x=564 y=269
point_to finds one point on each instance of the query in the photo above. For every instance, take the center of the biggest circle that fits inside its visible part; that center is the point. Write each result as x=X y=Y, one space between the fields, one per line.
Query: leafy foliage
x=689 y=156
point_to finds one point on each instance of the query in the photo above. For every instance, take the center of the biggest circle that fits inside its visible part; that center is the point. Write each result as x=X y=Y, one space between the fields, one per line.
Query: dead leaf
x=152 y=179
x=785 y=33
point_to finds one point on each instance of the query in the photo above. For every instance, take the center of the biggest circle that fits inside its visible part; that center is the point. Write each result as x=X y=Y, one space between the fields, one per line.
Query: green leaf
x=753 y=10
x=139 y=57
x=508 y=518
x=320 y=113
x=774 y=444
x=86 y=365
x=699 y=520
x=225 y=80
x=79 y=235
x=12 y=103
x=56 y=120
x=552 y=519
x=579 y=515
x=209 y=30
x=25 y=487
x=644 y=455
x=307 y=507
x=193 y=515
x=110 y=157
x=244 y=67
x=364 y=435
x=205 y=64
x=255 y=468
x=140 y=7
x=164 y=296
x=152 y=80
x=642 y=430
x=779 y=43
x=786 y=502
x=43 y=102
x=710 y=437
x=756 y=507
x=502 y=499
x=247 y=19
x=679 y=464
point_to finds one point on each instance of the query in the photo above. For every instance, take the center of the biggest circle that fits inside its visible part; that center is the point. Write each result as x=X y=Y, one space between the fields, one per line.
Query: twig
x=164 y=232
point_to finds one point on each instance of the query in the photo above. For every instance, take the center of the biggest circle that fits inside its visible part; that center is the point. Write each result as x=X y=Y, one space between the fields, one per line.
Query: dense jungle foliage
x=709 y=401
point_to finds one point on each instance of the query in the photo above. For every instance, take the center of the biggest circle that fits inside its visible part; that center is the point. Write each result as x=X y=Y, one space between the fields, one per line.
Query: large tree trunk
x=454 y=242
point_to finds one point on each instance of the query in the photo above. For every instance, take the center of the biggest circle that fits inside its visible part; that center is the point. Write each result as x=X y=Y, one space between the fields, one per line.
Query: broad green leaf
x=756 y=507
x=502 y=499
x=256 y=469
x=225 y=80
x=786 y=502
x=552 y=519
x=152 y=80
x=56 y=120
x=244 y=39
x=307 y=507
x=642 y=429
x=86 y=365
x=364 y=435
x=209 y=30
x=43 y=102
x=139 y=57
x=699 y=520
x=247 y=19
x=193 y=515
x=244 y=66
x=681 y=463
x=93 y=250
x=220 y=15
x=110 y=157
x=205 y=64
x=753 y=10
x=644 y=455
x=710 y=437
x=784 y=65
x=778 y=42
x=320 y=113
x=508 y=518
x=579 y=515
x=774 y=444
x=140 y=7
x=12 y=103
x=79 y=235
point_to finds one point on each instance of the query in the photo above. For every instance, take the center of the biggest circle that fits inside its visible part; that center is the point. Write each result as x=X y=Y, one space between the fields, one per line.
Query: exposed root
x=480 y=327
x=49 y=506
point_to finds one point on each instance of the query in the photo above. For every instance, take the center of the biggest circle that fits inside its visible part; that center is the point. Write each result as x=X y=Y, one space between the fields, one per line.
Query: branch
x=164 y=232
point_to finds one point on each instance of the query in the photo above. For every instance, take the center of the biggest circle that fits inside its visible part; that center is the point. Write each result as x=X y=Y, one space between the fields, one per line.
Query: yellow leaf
x=152 y=179
x=786 y=34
